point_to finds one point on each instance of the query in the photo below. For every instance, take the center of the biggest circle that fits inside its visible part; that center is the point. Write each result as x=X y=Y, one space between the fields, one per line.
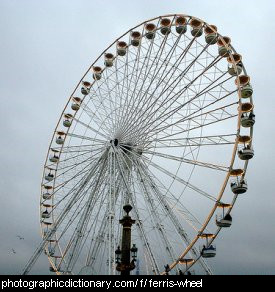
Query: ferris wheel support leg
x=101 y=233
x=111 y=248
x=60 y=219
x=157 y=220
x=83 y=222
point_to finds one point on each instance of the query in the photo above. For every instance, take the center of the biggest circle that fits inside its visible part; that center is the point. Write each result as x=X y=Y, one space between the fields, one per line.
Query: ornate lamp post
x=123 y=256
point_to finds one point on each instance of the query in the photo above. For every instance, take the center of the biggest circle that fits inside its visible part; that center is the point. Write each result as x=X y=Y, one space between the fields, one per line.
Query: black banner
x=41 y=283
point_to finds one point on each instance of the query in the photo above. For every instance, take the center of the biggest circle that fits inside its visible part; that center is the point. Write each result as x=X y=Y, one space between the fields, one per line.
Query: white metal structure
x=154 y=122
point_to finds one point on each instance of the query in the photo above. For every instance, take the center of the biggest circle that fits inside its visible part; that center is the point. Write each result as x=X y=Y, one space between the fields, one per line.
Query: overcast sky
x=45 y=48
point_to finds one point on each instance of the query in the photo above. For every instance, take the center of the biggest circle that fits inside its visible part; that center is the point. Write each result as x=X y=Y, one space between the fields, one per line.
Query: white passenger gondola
x=224 y=220
x=181 y=26
x=47 y=196
x=223 y=43
x=54 y=156
x=150 y=29
x=246 y=153
x=247 y=117
x=49 y=177
x=235 y=59
x=45 y=214
x=67 y=120
x=210 y=34
x=247 y=91
x=247 y=120
x=97 y=71
x=196 y=27
x=109 y=59
x=76 y=103
x=208 y=251
x=165 y=24
x=85 y=89
x=238 y=187
x=246 y=88
x=47 y=223
x=135 y=38
x=60 y=139
x=121 y=48
x=67 y=123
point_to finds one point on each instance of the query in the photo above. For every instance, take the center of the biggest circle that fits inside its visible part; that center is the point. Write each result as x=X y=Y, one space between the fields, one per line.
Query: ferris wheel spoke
x=112 y=100
x=76 y=155
x=162 y=79
x=175 y=177
x=67 y=169
x=73 y=217
x=215 y=140
x=145 y=63
x=215 y=114
x=156 y=219
x=134 y=69
x=192 y=116
x=75 y=148
x=69 y=166
x=72 y=150
x=155 y=61
x=78 y=199
x=108 y=95
x=176 y=82
x=183 y=90
x=200 y=125
x=86 y=172
x=123 y=85
x=142 y=76
x=171 y=112
x=93 y=113
x=107 y=113
x=91 y=128
x=166 y=205
x=182 y=159
x=173 y=67
x=86 y=138
x=176 y=223
x=153 y=180
x=210 y=90
x=103 y=123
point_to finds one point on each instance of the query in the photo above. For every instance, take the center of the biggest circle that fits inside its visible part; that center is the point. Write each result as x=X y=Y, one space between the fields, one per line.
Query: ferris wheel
x=161 y=121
